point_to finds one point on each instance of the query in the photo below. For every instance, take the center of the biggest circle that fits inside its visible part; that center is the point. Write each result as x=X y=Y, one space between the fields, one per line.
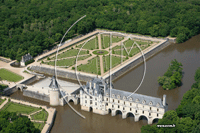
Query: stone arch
x=130 y=114
x=109 y=111
x=143 y=117
x=118 y=112
x=155 y=120
x=70 y=100
x=90 y=109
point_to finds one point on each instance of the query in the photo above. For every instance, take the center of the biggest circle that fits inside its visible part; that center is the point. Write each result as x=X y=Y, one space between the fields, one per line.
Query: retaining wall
x=60 y=73
x=9 y=91
x=139 y=60
x=36 y=95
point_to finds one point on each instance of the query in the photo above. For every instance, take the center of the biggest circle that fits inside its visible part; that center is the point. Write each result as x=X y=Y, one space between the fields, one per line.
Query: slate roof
x=54 y=83
x=137 y=98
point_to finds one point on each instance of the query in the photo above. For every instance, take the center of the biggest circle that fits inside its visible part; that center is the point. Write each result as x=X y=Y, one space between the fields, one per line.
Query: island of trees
x=172 y=78
x=31 y=26
x=186 y=117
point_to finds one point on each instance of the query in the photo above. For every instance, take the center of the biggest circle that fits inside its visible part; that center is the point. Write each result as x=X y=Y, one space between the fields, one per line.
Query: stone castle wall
x=36 y=95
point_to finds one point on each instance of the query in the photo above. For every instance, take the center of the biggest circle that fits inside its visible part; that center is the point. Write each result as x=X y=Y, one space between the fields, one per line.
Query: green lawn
x=69 y=53
x=129 y=43
x=66 y=62
x=90 y=45
x=38 y=125
x=1 y=101
x=115 y=61
x=91 y=67
x=41 y=116
x=133 y=51
x=19 y=108
x=100 y=52
x=9 y=76
x=105 y=40
x=2 y=87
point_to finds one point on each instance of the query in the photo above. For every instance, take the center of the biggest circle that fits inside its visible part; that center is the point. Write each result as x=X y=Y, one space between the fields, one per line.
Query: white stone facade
x=95 y=97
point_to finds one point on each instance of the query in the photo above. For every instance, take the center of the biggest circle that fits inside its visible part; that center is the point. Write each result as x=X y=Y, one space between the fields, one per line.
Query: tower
x=54 y=92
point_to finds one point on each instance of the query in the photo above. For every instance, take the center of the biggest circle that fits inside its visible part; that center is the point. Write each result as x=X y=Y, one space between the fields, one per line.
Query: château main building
x=96 y=97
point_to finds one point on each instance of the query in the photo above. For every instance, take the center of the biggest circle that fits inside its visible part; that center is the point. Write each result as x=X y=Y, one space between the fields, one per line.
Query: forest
x=186 y=117
x=10 y=122
x=31 y=26
x=172 y=78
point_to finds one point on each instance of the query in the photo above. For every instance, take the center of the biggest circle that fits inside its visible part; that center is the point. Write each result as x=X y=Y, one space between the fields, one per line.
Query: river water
x=187 y=53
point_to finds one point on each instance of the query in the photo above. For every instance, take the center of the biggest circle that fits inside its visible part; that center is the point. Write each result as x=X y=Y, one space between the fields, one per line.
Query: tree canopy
x=35 y=25
x=186 y=117
x=172 y=78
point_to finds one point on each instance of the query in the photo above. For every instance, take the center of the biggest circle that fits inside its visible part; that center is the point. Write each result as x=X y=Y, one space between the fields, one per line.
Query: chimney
x=90 y=85
x=94 y=85
x=164 y=100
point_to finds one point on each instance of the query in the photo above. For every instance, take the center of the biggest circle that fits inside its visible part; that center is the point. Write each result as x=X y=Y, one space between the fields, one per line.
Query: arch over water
x=155 y=120
x=143 y=117
x=130 y=114
x=118 y=112
x=71 y=100
x=109 y=111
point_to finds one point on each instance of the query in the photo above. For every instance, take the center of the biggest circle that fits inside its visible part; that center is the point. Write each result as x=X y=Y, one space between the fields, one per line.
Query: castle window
x=113 y=100
x=143 y=112
x=118 y=101
x=130 y=104
x=150 y=103
x=113 y=106
x=157 y=104
x=123 y=108
x=143 y=102
x=124 y=98
x=85 y=101
x=130 y=109
x=149 y=114
x=118 y=106
x=118 y=96
x=136 y=111
x=85 y=96
x=157 y=115
x=130 y=99
x=107 y=99
x=113 y=95
x=91 y=102
x=150 y=108
x=95 y=103
x=157 y=109
x=124 y=103
x=106 y=104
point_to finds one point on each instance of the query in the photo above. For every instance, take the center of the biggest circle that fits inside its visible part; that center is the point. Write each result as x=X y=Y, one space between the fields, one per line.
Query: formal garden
x=37 y=115
x=94 y=51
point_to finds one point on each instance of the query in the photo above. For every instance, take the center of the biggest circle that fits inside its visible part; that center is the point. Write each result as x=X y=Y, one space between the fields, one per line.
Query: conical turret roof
x=54 y=83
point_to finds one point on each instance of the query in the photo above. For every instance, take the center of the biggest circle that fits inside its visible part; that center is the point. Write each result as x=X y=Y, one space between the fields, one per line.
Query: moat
x=187 y=53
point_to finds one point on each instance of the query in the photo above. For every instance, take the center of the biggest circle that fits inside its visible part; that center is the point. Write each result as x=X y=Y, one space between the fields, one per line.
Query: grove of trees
x=186 y=117
x=31 y=26
x=10 y=122
x=172 y=78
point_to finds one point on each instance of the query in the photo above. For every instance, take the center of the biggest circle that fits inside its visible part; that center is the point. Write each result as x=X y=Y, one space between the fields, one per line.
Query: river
x=187 y=53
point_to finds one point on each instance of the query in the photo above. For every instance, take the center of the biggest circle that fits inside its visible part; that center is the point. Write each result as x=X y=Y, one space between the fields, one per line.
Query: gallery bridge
x=96 y=98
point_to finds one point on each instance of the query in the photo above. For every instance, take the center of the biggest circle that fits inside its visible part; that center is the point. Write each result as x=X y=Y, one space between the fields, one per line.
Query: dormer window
x=113 y=95
x=118 y=96
x=151 y=103
x=157 y=104
x=143 y=102
x=136 y=100
x=124 y=98
x=130 y=99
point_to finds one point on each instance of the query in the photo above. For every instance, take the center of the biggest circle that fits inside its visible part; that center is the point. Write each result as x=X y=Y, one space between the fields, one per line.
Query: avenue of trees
x=31 y=26
x=172 y=78
x=186 y=117
x=10 y=122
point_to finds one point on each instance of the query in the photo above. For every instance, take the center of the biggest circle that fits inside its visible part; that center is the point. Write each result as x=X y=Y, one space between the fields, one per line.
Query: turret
x=164 y=100
x=54 y=92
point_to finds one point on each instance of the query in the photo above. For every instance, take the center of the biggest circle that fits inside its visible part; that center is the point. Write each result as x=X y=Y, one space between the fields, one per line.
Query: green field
x=91 y=67
x=90 y=45
x=66 y=62
x=69 y=53
x=9 y=76
x=41 y=116
x=129 y=43
x=133 y=51
x=115 y=61
x=38 y=125
x=100 y=52
x=2 y=87
x=105 y=40
x=1 y=101
x=19 y=108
